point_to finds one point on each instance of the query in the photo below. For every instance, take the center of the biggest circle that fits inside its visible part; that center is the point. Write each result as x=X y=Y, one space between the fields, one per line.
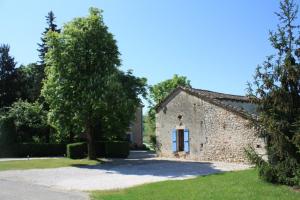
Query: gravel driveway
x=141 y=167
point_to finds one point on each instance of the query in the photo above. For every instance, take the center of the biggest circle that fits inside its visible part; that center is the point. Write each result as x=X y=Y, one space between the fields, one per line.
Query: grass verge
x=45 y=163
x=227 y=186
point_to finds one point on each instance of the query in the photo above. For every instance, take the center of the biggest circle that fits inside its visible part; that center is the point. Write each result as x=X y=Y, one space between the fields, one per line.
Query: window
x=180 y=140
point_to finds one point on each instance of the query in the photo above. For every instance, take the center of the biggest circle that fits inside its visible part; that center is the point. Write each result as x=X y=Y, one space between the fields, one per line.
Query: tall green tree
x=83 y=84
x=159 y=92
x=51 y=26
x=122 y=100
x=276 y=90
x=8 y=78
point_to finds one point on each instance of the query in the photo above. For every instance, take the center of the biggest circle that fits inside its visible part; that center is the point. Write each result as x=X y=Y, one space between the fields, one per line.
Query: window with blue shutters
x=186 y=141
x=174 y=140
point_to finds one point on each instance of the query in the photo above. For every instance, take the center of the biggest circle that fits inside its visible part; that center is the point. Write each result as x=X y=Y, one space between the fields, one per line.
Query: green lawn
x=45 y=163
x=242 y=185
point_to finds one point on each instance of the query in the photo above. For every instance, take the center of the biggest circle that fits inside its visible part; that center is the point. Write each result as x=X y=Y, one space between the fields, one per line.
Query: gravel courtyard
x=141 y=167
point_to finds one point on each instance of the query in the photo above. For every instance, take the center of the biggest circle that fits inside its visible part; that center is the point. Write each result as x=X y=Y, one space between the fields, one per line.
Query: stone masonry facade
x=215 y=133
x=136 y=128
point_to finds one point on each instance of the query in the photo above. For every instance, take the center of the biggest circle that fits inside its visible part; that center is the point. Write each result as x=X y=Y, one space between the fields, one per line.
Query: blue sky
x=217 y=44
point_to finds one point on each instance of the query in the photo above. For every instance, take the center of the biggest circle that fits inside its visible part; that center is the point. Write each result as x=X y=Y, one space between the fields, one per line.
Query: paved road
x=67 y=182
x=18 y=190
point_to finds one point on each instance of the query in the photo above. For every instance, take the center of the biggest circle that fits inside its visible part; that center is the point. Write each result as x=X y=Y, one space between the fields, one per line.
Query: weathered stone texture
x=215 y=133
x=136 y=128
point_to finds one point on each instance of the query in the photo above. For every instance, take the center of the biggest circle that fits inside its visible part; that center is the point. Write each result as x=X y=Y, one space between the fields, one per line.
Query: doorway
x=180 y=140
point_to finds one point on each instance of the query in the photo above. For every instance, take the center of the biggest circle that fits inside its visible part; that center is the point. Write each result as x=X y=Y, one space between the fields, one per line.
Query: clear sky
x=217 y=44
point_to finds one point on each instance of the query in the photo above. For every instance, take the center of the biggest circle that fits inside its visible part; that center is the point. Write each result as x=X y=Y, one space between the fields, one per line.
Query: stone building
x=207 y=126
x=135 y=132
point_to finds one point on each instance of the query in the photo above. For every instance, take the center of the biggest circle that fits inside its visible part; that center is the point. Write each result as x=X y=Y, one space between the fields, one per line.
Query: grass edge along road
x=226 y=186
x=45 y=163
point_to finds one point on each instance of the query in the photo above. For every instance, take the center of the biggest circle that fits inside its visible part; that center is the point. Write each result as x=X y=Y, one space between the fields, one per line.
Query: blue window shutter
x=186 y=141
x=174 y=140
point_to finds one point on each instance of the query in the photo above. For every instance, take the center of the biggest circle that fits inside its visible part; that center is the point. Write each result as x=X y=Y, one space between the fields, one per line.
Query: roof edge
x=215 y=102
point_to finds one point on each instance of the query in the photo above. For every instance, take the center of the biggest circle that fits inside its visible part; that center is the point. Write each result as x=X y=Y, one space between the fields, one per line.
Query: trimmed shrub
x=6 y=151
x=77 y=150
x=8 y=133
x=109 y=149
x=33 y=150
x=116 y=149
x=40 y=150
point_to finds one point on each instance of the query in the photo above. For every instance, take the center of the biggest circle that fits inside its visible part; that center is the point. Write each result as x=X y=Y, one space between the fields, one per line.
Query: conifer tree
x=8 y=77
x=276 y=90
x=50 y=18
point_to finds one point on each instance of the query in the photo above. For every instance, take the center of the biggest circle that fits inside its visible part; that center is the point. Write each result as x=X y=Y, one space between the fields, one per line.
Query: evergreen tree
x=277 y=92
x=43 y=48
x=8 y=77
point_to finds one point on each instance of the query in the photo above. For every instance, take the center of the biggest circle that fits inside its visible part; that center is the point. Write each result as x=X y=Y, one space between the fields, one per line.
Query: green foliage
x=83 y=87
x=148 y=126
x=30 y=121
x=153 y=141
x=8 y=134
x=77 y=150
x=116 y=149
x=121 y=103
x=8 y=78
x=108 y=149
x=33 y=150
x=43 y=47
x=265 y=171
x=30 y=79
x=277 y=92
x=161 y=90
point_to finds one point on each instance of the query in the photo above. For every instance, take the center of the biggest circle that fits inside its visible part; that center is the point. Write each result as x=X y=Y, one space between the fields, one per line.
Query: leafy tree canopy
x=30 y=79
x=161 y=90
x=84 y=87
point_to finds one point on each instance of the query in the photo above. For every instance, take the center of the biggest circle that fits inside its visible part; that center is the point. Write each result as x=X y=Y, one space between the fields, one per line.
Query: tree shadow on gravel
x=141 y=164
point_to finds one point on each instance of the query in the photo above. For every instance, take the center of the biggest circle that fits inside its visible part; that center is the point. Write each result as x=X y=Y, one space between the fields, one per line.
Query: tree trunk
x=91 y=143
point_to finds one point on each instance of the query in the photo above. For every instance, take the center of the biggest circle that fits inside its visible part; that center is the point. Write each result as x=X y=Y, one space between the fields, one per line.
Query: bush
x=30 y=121
x=109 y=149
x=116 y=149
x=153 y=141
x=77 y=150
x=32 y=150
x=8 y=134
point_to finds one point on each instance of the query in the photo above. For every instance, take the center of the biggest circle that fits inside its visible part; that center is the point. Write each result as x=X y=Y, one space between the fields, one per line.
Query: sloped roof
x=233 y=103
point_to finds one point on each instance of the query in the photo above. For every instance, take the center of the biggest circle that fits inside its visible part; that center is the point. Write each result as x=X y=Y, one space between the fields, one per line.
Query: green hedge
x=8 y=133
x=116 y=149
x=32 y=150
x=77 y=150
x=108 y=149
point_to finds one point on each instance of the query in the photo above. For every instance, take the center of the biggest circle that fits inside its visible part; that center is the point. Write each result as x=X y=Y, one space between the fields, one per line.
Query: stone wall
x=215 y=134
x=136 y=127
